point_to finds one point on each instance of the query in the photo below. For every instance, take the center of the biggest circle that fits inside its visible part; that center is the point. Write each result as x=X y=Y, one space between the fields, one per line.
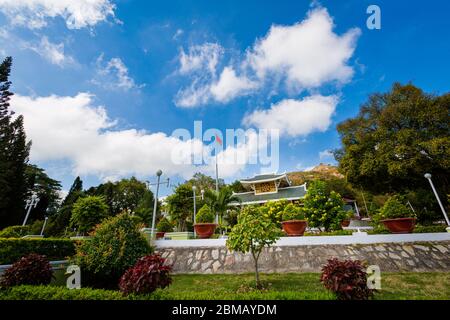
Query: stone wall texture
x=427 y=256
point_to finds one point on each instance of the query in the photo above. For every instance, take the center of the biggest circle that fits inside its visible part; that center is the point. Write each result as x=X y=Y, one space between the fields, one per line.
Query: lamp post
x=43 y=226
x=428 y=177
x=31 y=203
x=155 y=205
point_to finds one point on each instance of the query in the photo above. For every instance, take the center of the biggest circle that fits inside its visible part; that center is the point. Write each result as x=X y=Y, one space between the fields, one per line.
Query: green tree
x=322 y=208
x=88 y=212
x=180 y=205
x=252 y=233
x=47 y=189
x=14 y=151
x=59 y=223
x=219 y=202
x=396 y=138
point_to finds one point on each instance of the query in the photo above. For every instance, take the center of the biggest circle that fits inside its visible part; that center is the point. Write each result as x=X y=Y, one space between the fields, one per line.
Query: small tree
x=87 y=212
x=252 y=233
x=323 y=208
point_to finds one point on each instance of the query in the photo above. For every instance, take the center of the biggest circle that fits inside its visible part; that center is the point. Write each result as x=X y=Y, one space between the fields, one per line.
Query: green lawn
x=409 y=285
x=279 y=286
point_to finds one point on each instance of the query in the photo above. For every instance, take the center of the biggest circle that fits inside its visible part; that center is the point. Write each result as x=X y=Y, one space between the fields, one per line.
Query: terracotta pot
x=400 y=225
x=160 y=234
x=345 y=223
x=204 y=230
x=294 y=228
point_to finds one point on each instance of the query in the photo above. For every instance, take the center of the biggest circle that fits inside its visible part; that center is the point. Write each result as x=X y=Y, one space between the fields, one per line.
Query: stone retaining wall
x=413 y=256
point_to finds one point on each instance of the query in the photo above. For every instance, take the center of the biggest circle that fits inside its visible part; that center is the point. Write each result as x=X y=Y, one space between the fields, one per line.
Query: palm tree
x=219 y=201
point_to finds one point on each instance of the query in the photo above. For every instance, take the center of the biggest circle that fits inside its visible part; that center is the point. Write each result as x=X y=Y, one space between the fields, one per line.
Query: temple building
x=272 y=187
x=269 y=187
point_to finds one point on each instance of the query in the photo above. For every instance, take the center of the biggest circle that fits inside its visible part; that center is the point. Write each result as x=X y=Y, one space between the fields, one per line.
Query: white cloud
x=114 y=74
x=230 y=86
x=308 y=54
x=52 y=52
x=326 y=154
x=305 y=56
x=74 y=129
x=77 y=14
x=295 y=117
x=200 y=63
x=200 y=58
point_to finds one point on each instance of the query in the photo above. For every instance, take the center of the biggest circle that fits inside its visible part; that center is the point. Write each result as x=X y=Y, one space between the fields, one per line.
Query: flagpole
x=217 y=175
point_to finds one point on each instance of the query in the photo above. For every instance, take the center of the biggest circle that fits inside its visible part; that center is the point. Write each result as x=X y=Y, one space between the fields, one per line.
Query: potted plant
x=346 y=221
x=163 y=226
x=396 y=216
x=294 y=223
x=204 y=222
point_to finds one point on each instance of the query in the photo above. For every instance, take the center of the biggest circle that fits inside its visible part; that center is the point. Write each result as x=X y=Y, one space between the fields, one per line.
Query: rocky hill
x=321 y=171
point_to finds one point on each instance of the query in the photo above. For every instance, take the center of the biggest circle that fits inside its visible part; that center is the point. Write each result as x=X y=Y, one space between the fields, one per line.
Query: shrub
x=164 y=225
x=116 y=245
x=252 y=233
x=57 y=293
x=394 y=208
x=13 y=249
x=147 y=275
x=274 y=210
x=323 y=208
x=430 y=229
x=87 y=212
x=346 y=279
x=33 y=269
x=293 y=212
x=14 y=231
x=204 y=215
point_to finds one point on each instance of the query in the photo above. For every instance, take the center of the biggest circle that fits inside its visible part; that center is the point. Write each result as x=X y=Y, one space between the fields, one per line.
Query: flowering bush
x=347 y=279
x=33 y=269
x=274 y=210
x=147 y=275
x=293 y=212
x=323 y=208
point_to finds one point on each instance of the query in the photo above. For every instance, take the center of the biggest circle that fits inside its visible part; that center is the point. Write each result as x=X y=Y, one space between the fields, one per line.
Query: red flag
x=219 y=141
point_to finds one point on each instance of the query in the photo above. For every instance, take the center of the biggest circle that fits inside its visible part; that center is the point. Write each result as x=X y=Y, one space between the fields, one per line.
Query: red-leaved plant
x=347 y=279
x=32 y=269
x=148 y=274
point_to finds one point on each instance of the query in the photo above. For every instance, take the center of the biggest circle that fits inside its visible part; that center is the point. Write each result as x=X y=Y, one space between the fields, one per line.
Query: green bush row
x=62 y=293
x=12 y=249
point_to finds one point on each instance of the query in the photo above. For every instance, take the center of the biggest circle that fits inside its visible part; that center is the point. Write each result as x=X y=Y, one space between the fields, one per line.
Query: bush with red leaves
x=148 y=274
x=32 y=269
x=347 y=279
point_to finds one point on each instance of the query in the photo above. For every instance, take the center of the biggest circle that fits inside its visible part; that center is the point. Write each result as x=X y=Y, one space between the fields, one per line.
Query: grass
x=304 y=286
x=407 y=285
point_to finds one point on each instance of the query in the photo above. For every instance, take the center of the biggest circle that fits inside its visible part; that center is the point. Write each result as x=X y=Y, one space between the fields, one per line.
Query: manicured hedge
x=62 y=293
x=12 y=249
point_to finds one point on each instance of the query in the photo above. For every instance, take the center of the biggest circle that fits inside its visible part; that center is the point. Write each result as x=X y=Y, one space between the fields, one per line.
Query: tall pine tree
x=14 y=151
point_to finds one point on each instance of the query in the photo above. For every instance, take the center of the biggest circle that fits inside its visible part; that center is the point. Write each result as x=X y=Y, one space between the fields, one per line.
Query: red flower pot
x=160 y=235
x=204 y=230
x=400 y=225
x=294 y=228
x=345 y=223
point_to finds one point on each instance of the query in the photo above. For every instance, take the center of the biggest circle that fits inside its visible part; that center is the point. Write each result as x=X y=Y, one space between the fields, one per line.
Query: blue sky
x=102 y=86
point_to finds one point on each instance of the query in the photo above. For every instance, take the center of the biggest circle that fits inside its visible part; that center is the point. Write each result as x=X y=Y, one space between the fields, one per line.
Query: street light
x=43 y=226
x=31 y=203
x=428 y=177
x=155 y=205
